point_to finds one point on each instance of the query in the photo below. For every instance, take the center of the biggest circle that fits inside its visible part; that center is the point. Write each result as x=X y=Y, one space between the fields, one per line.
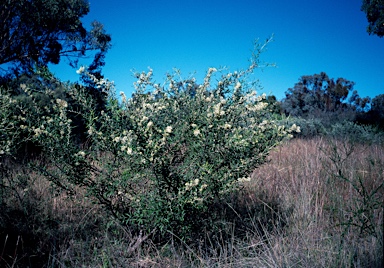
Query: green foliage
x=160 y=161
x=40 y=32
x=374 y=10
x=318 y=95
x=274 y=106
x=8 y=130
x=356 y=133
x=36 y=33
x=377 y=105
x=377 y=111
x=309 y=128
x=343 y=130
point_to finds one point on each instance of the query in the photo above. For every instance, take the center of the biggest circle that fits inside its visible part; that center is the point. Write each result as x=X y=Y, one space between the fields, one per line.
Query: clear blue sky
x=193 y=35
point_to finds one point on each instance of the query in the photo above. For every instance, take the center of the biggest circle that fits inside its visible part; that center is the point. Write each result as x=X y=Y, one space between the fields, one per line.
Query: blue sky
x=193 y=35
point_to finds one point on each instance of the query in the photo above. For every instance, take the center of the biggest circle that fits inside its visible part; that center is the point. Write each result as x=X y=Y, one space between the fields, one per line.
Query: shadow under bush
x=231 y=219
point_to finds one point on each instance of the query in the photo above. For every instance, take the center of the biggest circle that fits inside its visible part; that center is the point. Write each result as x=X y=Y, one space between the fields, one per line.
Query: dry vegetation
x=316 y=203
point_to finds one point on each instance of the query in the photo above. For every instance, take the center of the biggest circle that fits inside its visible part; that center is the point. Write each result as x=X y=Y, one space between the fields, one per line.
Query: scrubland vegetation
x=184 y=173
x=315 y=203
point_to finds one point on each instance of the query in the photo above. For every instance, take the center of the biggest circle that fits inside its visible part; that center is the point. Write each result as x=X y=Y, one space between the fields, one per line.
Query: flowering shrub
x=7 y=127
x=161 y=159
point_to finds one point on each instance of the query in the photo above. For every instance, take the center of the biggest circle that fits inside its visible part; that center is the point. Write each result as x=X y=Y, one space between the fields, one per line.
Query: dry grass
x=316 y=203
x=320 y=201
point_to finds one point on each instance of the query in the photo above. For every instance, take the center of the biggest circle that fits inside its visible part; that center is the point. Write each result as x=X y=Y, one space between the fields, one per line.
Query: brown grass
x=313 y=189
x=316 y=203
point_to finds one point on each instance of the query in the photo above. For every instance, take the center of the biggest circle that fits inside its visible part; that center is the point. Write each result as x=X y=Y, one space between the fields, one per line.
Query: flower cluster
x=8 y=128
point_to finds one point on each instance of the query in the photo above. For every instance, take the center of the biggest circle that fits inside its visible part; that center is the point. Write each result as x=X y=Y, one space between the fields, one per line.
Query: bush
x=8 y=130
x=160 y=161
x=356 y=133
x=345 y=130
x=309 y=128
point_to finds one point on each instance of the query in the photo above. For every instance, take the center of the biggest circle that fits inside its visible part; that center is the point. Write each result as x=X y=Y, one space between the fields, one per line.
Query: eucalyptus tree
x=39 y=32
x=374 y=10
x=315 y=94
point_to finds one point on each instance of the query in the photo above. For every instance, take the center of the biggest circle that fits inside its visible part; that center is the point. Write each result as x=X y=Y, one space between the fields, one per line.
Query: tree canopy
x=377 y=110
x=319 y=94
x=39 y=32
x=374 y=9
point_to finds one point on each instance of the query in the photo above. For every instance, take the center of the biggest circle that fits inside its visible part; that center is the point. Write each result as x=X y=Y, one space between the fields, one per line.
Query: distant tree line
x=331 y=101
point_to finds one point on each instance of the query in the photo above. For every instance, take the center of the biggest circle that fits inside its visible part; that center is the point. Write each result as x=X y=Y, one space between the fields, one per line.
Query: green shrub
x=160 y=161
x=312 y=127
x=309 y=128
x=356 y=133
x=8 y=126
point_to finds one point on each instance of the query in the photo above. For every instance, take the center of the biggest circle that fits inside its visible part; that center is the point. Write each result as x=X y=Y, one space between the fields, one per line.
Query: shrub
x=348 y=130
x=309 y=128
x=356 y=133
x=8 y=127
x=160 y=161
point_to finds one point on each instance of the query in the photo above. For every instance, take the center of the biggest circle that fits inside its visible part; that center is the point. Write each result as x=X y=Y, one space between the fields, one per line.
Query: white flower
x=216 y=108
x=244 y=179
x=37 y=131
x=168 y=129
x=150 y=72
x=123 y=97
x=238 y=86
x=211 y=70
x=227 y=126
x=196 y=132
x=203 y=187
x=80 y=70
x=61 y=103
x=295 y=128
